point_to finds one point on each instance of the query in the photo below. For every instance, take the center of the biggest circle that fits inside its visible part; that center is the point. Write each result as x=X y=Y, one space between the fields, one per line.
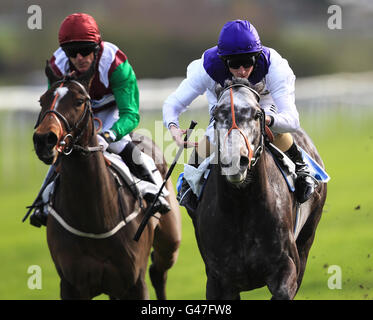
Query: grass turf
x=343 y=238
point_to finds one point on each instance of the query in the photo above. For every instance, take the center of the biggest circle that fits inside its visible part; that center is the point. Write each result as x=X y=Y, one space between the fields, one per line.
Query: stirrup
x=38 y=218
x=187 y=198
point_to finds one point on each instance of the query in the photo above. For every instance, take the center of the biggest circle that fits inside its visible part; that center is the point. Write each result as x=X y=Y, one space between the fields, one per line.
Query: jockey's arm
x=280 y=82
x=123 y=84
x=195 y=84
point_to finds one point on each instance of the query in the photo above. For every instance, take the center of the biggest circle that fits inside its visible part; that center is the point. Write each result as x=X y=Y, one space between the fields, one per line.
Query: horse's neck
x=87 y=190
x=83 y=170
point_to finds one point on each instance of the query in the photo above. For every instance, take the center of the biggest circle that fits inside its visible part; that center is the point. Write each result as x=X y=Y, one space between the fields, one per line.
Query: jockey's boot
x=39 y=216
x=132 y=157
x=187 y=198
x=185 y=195
x=304 y=184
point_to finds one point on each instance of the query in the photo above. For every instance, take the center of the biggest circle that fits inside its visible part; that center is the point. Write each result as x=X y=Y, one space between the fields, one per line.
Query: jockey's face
x=241 y=72
x=82 y=63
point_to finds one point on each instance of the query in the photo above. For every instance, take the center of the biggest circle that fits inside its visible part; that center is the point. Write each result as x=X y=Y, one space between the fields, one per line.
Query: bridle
x=253 y=155
x=62 y=145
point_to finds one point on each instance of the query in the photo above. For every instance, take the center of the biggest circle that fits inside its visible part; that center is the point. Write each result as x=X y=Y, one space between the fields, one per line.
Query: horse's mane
x=259 y=87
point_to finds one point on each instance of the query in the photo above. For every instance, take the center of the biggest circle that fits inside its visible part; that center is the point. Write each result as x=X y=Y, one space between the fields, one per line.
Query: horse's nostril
x=51 y=139
x=38 y=140
x=244 y=161
x=48 y=140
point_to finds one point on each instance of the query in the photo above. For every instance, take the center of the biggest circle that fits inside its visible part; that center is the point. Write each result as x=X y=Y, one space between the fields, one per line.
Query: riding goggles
x=236 y=63
x=84 y=50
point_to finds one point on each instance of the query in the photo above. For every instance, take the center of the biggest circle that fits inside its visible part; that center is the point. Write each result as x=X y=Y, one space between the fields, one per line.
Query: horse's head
x=239 y=124
x=64 y=117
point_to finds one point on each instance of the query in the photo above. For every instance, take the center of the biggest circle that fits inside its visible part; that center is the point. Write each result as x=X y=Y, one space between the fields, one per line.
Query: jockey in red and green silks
x=114 y=96
x=114 y=91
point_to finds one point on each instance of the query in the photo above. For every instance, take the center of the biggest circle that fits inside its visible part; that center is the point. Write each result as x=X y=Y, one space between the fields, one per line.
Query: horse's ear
x=52 y=77
x=86 y=78
x=218 y=89
x=259 y=87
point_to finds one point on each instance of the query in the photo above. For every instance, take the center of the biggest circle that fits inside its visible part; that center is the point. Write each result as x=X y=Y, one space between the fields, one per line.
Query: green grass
x=344 y=236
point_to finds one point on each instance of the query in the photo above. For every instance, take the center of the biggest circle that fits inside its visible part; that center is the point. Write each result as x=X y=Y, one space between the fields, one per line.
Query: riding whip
x=148 y=212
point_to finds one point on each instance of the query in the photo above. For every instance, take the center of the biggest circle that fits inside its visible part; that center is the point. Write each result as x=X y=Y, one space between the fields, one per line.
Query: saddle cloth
x=142 y=186
x=194 y=175
x=287 y=167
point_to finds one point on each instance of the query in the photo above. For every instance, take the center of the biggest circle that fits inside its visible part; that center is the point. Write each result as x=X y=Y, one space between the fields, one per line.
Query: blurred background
x=161 y=37
x=331 y=58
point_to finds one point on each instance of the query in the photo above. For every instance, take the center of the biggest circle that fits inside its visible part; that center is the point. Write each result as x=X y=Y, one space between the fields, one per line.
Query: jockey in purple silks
x=240 y=54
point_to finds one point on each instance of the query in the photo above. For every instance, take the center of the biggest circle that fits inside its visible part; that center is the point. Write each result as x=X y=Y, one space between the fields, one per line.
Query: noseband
x=253 y=155
x=61 y=145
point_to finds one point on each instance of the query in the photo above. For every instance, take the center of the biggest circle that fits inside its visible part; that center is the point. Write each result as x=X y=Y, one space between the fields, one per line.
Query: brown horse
x=90 y=236
x=246 y=218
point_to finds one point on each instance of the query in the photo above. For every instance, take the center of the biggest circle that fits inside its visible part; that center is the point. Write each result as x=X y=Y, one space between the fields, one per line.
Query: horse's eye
x=258 y=115
x=79 y=102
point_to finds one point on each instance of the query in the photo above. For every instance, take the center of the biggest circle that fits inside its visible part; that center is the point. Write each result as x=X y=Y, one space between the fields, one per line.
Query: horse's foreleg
x=139 y=291
x=69 y=292
x=163 y=258
x=305 y=240
x=158 y=278
x=215 y=290
x=283 y=283
x=167 y=237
